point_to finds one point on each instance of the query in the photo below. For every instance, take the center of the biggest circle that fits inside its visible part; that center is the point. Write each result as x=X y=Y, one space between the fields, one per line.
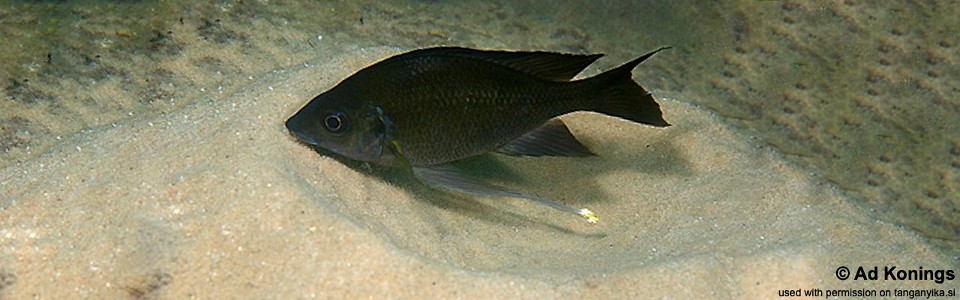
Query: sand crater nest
x=660 y=193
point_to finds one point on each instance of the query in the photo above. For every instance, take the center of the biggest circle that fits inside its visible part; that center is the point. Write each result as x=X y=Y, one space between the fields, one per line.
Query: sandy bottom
x=218 y=201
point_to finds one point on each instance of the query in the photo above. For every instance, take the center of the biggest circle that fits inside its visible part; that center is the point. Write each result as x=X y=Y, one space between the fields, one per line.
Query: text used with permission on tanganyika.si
x=911 y=283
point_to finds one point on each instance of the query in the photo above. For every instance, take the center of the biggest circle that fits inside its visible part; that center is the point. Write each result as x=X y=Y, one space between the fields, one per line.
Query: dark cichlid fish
x=429 y=107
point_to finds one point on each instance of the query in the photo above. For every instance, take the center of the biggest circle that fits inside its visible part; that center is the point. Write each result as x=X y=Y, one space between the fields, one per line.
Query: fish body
x=429 y=107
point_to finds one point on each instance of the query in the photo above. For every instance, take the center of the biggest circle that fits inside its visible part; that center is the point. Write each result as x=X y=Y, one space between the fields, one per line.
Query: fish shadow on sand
x=578 y=179
x=660 y=155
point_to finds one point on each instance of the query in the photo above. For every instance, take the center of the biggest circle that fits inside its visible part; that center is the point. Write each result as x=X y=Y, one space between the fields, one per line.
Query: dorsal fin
x=545 y=65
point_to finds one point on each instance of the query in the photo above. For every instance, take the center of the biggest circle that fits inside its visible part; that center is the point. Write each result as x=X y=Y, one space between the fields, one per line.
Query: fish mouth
x=302 y=136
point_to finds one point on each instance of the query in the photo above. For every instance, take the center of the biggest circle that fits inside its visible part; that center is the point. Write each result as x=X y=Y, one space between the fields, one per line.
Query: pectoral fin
x=450 y=178
x=553 y=138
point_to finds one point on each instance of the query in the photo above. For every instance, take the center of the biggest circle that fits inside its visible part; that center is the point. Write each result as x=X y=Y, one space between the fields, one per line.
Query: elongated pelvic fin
x=450 y=178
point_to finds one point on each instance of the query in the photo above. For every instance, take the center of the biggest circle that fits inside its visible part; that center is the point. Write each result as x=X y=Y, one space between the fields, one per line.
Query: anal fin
x=553 y=138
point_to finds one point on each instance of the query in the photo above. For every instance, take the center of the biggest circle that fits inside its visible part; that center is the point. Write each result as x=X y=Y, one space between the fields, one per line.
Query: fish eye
x=335 y=122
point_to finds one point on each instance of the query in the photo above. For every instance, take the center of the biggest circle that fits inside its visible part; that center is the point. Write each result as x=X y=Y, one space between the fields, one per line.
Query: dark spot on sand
x=90 y=61
x=162 y=87
x=14 y=133
x=885 y=158
x=165 y=43
x=873 y=77
x=21 y=91
x=215 y=32
x=741 y=28
x=885 y=47
x=145 y=287
x=790 y=6
x=7 y=279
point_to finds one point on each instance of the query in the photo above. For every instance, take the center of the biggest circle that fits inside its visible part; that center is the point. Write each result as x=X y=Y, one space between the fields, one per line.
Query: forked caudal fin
x=622 y=97
x=448 y=177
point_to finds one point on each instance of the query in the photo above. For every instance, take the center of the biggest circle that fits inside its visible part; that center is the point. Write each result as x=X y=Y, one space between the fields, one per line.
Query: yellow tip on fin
x=589 y=215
